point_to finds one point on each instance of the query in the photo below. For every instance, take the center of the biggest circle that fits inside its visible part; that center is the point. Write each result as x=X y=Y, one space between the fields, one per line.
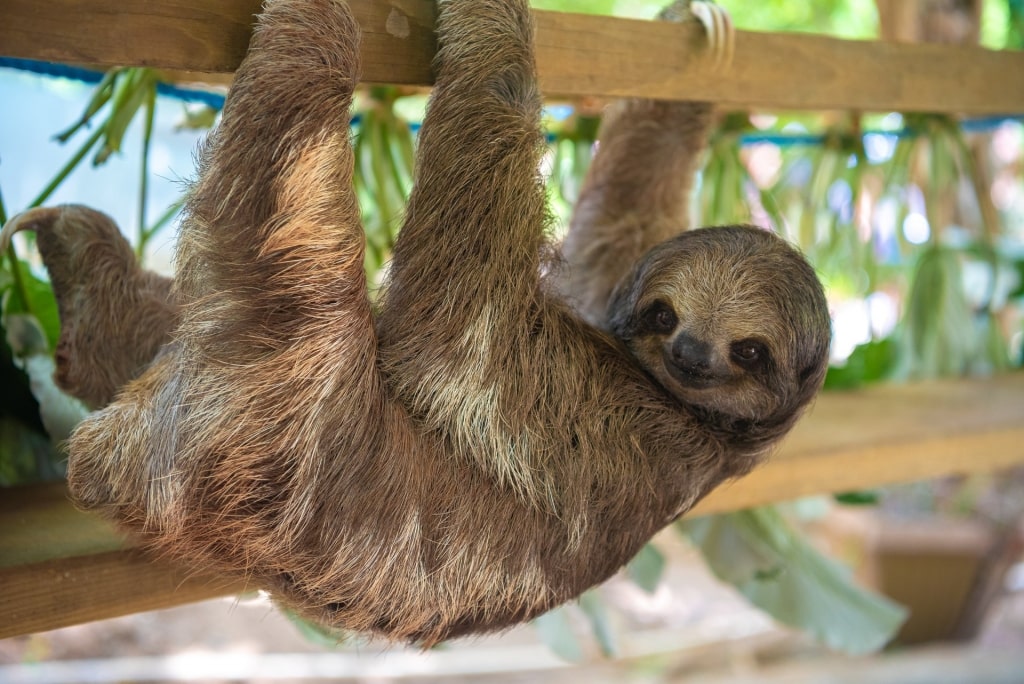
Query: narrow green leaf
x=646 y=568
x=597 y=615
x=778 y=571
x=139 y=84
x=100 y=96
x=554 y=629
x=861 y=498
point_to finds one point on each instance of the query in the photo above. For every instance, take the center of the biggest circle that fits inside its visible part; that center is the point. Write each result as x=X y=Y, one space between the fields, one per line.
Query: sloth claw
x=717 y=24
x=719 y=29
x=27 y=220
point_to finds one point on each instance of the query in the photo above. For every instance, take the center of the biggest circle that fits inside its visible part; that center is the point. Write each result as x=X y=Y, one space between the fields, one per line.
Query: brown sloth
x=479 y=451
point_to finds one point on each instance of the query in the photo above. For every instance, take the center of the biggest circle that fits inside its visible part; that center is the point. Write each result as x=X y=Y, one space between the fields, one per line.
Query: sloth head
x=732 y=321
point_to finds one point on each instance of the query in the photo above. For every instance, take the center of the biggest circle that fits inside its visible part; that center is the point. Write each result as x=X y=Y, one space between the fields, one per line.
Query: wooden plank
x=60 y=566
x=902 y=433
x=577 y=55
x=77 y=589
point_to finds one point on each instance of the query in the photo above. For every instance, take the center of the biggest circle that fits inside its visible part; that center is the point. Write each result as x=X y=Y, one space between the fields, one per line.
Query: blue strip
x=216 y=101
x=211 y=100
x=55 y=70
x=52 y=69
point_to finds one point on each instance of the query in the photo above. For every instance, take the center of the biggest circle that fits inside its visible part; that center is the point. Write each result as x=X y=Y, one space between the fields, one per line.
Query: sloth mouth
x=695 y=378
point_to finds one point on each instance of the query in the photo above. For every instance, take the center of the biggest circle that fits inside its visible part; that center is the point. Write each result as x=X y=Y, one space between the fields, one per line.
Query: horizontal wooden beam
x=59 y=566
x=884 y=435
x=577 y=55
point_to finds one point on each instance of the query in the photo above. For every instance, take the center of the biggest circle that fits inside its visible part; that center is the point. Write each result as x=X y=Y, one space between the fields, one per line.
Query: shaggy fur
x=477 y=453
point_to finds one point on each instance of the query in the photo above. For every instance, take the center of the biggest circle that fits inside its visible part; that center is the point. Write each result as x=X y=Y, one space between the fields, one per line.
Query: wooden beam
x=59 y=566
x=884 y=435
x=577 y=55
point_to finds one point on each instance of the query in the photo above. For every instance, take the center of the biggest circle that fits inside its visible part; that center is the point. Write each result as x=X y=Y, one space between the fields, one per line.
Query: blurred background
x=915 y=223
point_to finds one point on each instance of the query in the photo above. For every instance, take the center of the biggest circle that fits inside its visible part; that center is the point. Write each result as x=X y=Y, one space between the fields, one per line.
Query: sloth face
x=731 y=320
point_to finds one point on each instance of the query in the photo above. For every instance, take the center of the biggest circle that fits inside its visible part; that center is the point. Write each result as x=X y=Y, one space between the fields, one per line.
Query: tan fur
x=471 y=457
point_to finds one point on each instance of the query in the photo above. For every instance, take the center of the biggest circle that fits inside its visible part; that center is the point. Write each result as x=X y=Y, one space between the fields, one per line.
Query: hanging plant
x=384 y=152
x=942 y=333
x=570 y=150
x=725 y=182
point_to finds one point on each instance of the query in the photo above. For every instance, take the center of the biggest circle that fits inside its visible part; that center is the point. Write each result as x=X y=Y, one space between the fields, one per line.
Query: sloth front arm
x=463 y=290
x=637 y=190
x=636 y=194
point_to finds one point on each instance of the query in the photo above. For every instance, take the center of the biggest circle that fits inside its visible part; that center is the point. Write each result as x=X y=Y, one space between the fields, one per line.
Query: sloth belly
x=439 y=549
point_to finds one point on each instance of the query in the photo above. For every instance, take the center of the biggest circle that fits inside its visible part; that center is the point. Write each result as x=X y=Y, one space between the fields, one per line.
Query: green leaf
x=131 y=93
x=758 y=552
x=869 y=362
x=1018 y=291
x=59 y=411
x=100 y=96
x=938 y=328
x=597 y=615
x=199 y=119
x=646 y=568
x=42 y=305
x=25 y=454
x=555 y=631
x=860 y=498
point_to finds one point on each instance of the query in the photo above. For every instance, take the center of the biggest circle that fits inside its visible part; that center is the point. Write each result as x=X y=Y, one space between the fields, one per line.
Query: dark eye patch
x=659 y=318
x=750 y=354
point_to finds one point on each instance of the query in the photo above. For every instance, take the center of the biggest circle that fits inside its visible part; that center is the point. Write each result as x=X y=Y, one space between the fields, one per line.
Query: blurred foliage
x=846 y=18
x=384 y=163
x=904 y=217
x=571 y=148
x=761 y=554
x=1002 y=23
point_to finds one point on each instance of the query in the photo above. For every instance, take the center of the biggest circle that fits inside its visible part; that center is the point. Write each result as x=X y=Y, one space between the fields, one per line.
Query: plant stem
x=68 y=168
x=12 y=256
x=147 y=136
x=164 y=219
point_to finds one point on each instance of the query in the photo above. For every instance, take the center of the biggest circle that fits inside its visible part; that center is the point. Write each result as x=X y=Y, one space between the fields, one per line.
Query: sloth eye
x=749 y=354
x=660 y=318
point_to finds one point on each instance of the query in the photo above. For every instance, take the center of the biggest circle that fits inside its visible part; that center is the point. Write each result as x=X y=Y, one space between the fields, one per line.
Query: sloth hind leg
x=114 y=315
x=275 y=333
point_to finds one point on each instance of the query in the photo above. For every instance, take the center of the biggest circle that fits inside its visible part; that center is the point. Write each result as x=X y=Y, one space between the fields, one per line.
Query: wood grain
x=70 y=591
x=60 y=566
x=577 y=55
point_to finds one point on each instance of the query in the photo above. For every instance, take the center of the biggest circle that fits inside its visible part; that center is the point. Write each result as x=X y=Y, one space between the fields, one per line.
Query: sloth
x=505 y=427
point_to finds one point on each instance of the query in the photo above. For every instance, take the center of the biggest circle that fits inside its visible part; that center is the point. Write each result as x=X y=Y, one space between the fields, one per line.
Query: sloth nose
x=691 y=355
